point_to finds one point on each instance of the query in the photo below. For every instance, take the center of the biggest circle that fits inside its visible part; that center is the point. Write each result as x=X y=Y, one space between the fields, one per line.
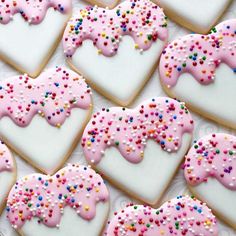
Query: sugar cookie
x=210 y=171
x=200 y=70
x=180 y=216
x=74 y=201
x=7 y=173
x=30 y=31
x=197 y=15
x=42 y=119
x=135 y=148
x=121 y=46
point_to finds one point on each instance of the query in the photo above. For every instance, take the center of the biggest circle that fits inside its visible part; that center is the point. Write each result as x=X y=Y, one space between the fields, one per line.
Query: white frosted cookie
x=139 y=149
x=116 y=50
x=30 y=31
x=42 y=119
x=74 y=201
x=8 y=173
x=197 y=15
x=200 y=70
x=210 y=171
x=179 y=216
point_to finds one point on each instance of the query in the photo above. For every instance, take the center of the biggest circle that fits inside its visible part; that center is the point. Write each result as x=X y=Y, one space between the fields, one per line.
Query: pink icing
x=33 y=11
x=140 y=19
x=45 y=197
x=52 y=95
x=180 y=216
x=163 y=119
x=6 y=160
x=199 y=55
x=212 y=156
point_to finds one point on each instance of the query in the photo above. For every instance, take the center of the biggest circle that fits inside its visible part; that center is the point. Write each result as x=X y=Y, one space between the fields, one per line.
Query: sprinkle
x=47 y=202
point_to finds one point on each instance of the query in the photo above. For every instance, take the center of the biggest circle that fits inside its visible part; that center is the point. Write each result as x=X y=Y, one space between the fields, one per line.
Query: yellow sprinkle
x=86 y=208
x=162 y=232
x=89 y=143
x=141 y=154
x=99 y=51
x=208 y=222
x=136 y=46
x=58 y=125
x=97 y=190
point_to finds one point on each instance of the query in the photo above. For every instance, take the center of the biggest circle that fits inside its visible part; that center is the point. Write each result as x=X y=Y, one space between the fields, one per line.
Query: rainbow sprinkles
x=32 y=11
x=52 y=95
x=164 y=120
x=143 y=20
x=213 y=156
x=199 y=55
x=45 y=197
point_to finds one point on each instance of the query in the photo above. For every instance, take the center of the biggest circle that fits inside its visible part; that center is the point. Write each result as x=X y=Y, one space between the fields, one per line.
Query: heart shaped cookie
x=7 y=173
x=137 y=148
x=180 y=216
x=210 y=171
x=116 y=50
x=75 y=201
x=198 y=16
x=42 y=119
x=30 y=31
x=200 y=70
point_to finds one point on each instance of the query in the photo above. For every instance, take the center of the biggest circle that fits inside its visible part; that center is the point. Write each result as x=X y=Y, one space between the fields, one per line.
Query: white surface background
x=153 y=88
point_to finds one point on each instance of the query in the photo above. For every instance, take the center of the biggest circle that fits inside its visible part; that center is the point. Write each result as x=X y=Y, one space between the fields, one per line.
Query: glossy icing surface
x=143 y=20
x=182 y=215
x=52 y=95
x=199 y=55
x=32 y=11
x=6 y=160
x=213 y=156
x=162 y=119
x=45 y=197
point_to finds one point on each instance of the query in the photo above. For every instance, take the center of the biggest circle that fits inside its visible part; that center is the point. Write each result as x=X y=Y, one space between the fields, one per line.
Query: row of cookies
x=209 y=168
x=99 y=36
x=30 y=37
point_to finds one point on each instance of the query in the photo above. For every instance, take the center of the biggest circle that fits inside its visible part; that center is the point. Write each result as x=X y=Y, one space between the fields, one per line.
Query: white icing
x=71 y=224
x=219 y=198
x=201 y=14
x=26 y=46
x=7 y=179
x=121 y=76
x=148 y=179
x=214 y=100
x=44 y=146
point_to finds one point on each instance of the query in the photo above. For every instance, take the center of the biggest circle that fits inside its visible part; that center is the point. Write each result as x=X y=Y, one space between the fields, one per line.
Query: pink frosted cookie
x=120 y=45
x=30 y=31
x=7 y=173
x=200 y=70
x=74 y=201
x=146 y=144
x=180 y=216
x=210 y=171
x=42 y=119
x=197 y=15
